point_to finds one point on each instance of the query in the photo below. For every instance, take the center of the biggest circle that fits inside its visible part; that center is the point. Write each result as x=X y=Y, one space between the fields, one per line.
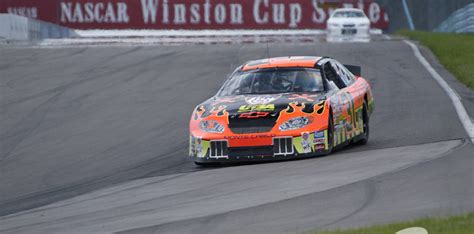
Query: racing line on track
x=461 y=111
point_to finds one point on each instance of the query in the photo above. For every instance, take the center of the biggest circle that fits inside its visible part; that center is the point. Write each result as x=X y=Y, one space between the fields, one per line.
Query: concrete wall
x=19 y=28
x=13 y=27
x=426 y=14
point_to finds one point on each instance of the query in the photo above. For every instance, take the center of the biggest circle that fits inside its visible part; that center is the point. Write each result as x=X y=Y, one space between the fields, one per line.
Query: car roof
x=348 y=9
x=277 y=62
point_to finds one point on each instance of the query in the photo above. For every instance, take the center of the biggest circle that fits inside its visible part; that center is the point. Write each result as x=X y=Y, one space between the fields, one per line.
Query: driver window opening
x=331 y=76
x=278 y=80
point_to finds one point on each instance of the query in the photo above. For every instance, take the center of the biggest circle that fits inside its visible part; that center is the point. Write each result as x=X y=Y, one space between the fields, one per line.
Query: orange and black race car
x=282 y=108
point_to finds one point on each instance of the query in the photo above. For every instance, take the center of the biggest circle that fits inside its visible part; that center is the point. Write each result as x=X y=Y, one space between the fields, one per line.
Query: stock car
x=348 y=24
x=282 y=108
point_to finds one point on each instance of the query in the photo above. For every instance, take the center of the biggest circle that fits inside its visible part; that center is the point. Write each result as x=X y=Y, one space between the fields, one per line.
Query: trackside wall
x=19 y=28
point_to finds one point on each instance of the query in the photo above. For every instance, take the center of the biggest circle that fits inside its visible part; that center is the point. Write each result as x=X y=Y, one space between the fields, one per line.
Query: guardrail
x=19 y=28
x=461 y=21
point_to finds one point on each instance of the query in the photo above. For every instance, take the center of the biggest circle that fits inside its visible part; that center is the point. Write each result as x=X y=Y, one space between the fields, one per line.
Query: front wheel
x=207 y=164
x=330 y=135
x=365 y=120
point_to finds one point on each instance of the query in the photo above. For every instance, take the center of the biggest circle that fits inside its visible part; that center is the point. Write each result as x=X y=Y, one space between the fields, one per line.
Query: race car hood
x=272 y=104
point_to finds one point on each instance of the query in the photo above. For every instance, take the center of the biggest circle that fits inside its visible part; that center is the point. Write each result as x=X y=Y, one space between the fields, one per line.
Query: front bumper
x=280 y=148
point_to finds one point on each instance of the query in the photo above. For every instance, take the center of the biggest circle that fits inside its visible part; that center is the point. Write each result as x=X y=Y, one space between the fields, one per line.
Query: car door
x=342 y=101
x=356 y=88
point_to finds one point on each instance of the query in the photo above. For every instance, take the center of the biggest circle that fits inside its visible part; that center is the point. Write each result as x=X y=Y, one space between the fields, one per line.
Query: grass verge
x=454 y=51
x=461 y=224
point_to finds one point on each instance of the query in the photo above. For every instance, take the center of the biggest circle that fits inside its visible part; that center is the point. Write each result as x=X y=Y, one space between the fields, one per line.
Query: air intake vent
x=218 y=149
x=258 y=125
x=283 y=146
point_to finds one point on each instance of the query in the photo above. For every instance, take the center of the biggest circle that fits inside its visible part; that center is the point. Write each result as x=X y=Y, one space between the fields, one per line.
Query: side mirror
x=356 y=70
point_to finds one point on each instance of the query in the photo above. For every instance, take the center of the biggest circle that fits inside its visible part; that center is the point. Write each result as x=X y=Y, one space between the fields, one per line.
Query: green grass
x=462 y=224
x=454 y=51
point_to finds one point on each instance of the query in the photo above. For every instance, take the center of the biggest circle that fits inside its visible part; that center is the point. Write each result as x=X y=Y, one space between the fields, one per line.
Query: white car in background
x=348 y=24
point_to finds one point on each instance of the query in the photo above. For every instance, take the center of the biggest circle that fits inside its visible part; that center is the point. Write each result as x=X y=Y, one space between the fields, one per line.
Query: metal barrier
x=461 y=21
x=19 y=28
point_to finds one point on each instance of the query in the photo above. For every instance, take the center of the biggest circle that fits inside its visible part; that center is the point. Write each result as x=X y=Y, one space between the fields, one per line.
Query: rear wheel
x=330 y=134
x=365 y=120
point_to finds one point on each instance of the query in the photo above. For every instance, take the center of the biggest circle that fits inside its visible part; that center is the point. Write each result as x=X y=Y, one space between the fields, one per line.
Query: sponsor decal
x=254 y=115
x=191 y=15
x=305 y=142
x=249 y=136
x=30 y=12
x=198 y=146
x=261 y=99
x=319 y=134
x=320 y=147
x=94 y=12
x=256 y=107
x=319 y=141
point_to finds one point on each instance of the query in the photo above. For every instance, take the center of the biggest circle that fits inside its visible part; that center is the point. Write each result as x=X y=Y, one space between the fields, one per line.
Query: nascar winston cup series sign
x=190 y=14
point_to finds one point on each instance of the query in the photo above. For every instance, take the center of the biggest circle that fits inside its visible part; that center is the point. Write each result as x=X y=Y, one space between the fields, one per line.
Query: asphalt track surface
x=80 y=125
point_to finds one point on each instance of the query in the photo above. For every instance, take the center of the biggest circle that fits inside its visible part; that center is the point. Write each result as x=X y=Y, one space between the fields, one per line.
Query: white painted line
x=455 y=99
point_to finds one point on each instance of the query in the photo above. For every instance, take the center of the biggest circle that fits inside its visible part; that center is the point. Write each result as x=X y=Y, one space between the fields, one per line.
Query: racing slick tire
x=330 y=134
x=207 y=164
x=365 y=120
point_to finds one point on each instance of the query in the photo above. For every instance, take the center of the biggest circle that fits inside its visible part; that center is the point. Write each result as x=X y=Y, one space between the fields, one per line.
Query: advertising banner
x=190 y=14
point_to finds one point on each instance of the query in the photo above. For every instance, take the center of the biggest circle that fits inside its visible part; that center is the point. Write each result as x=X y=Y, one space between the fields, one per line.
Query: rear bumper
x=335 y=34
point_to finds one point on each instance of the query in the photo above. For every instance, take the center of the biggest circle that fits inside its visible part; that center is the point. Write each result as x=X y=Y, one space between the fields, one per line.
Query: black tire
x=330 y=135
x=200 y=164
x=365 y=120
x=207 y=164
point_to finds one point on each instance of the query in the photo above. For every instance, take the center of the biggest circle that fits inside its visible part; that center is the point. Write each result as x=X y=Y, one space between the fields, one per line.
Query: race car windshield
x=348 y=14
x=269 y=81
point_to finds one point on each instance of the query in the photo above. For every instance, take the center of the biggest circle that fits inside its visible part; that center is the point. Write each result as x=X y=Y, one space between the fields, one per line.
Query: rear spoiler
x=356 y=70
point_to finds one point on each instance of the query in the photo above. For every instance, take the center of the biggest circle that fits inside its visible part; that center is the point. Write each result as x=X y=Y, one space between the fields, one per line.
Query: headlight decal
x=211 y=126
x=294 y=117
x=295 y=123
